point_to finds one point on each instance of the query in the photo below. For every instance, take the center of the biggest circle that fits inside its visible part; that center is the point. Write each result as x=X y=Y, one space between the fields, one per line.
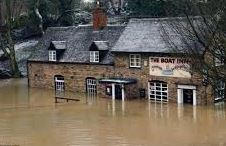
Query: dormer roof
x=58 y=45
x=99 y=46
x=78 y=41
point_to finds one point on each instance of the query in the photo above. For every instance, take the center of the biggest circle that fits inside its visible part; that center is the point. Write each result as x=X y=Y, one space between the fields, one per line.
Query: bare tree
x=202 y=36
x=7 y=44
x=114 y=6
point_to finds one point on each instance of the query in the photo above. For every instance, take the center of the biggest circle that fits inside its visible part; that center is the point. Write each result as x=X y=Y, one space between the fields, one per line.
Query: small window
x=219 y=58
x=135 y=60
x=220 y=90
x=52 y=55
x=94 y=56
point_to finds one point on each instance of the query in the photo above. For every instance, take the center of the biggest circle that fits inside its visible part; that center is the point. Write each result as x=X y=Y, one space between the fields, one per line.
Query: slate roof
x=59 y=45
x=147 y=36
x=78 y=40
x=101 y=45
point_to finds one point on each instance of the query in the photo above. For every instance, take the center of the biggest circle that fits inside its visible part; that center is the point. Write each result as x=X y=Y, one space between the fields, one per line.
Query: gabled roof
x=101 y=45
x=78 y=40
x=58 y=45
x=147 y=36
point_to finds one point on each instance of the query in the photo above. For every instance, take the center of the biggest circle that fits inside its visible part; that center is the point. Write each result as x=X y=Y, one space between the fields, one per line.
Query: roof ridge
x=162 y=19
x=61 y=28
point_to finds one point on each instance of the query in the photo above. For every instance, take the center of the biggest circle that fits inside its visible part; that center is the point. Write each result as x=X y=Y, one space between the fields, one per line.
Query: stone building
x=116 y=61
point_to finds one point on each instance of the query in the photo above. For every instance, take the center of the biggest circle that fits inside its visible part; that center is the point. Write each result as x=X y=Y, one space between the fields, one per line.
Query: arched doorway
x=59 y=83
x=91 y=86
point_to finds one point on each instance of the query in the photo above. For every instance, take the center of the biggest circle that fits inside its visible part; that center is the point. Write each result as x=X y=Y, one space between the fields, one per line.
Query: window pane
x=135 y=60
x=158 y=91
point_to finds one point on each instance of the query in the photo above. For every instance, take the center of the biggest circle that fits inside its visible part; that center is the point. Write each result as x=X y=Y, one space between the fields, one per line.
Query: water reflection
x=91 y=99
x=30 y=117
x=220 y=110
x=186 y=110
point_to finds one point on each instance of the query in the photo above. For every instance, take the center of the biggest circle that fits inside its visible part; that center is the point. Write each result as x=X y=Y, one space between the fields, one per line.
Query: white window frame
x=59 y=83
x=163 y=90
x=52 y=55
x=218 y=60
x=91 y=85
x=220 y=90
x=135 y=60
x=94 y=56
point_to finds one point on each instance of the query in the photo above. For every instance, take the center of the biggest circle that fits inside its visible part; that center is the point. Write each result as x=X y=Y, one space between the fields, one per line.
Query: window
x=91 y=86
x=94 y=56
x=59 y=83
x=52 y=55
x=135 y=60
x=158 y=91
x=219 y=58
x=220 y=90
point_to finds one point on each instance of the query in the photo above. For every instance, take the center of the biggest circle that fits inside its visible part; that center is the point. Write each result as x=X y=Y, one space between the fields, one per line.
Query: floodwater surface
x=30 y=117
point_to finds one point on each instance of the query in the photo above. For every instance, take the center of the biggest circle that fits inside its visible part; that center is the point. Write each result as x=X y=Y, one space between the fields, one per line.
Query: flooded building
x=116 y=62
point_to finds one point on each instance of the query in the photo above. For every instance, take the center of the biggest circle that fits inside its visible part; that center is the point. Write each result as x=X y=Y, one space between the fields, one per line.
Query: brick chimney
x=99 y=17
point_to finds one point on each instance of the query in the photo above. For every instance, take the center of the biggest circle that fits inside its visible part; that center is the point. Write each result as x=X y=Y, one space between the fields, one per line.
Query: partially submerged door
x=118 y=92
x=188 y=96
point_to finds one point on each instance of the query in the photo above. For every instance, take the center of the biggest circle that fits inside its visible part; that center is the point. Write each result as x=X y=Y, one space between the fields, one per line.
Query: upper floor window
x=219 y=58
x=135 y=60
x=94 y=56
x=52 y=55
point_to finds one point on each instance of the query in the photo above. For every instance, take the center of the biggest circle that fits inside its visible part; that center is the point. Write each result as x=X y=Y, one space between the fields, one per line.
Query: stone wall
x=204 y=94
x=42 y=75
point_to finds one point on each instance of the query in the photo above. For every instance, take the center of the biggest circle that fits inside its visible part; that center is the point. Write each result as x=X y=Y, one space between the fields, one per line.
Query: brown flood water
x=29 y=117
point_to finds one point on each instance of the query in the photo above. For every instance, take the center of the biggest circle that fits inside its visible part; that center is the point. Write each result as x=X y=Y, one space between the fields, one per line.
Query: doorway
x=186 y=94
x=118 y=92
x=91 y=86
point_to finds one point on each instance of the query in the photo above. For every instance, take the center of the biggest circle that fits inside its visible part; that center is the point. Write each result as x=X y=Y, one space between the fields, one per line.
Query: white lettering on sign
x=171 y=67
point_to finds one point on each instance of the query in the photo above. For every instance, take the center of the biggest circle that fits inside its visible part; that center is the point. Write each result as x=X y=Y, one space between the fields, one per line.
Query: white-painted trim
x=180 y=96
x=136 y=56
x=149 y=98
x=186 y=87
x=113 y=91
x=123 y=92
x=194 y=98
x=180 y=93
x=52 y=55
x=94 y=56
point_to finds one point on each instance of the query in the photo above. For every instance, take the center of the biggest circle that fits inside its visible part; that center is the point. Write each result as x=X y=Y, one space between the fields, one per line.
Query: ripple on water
x=30 y=117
